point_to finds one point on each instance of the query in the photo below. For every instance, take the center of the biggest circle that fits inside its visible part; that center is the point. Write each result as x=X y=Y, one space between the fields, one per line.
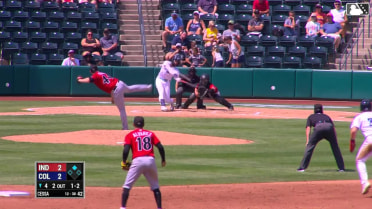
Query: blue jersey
x=173 y=24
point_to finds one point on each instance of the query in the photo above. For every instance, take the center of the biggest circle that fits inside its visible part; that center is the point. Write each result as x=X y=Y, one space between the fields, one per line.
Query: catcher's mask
x=192 y=71
x=204 y=79
x=318 y=108
x=365 y=105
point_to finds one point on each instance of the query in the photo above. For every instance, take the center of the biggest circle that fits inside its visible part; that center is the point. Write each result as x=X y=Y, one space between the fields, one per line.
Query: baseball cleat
x=300 y=170
x=231 y=108
x=164 y=108
x=366 y=188
x=171 y=107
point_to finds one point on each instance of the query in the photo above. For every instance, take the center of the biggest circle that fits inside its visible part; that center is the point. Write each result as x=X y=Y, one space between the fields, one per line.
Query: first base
x=13 y=193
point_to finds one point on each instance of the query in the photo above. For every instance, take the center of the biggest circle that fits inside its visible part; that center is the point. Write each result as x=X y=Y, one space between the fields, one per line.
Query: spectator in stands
x=70 y=60
x=239 y=27
x=217 y=58
x=207 y=7
x=332 y=29
x=262 y=6
x=256 y=24
x=180 y=52
x=236 y=56
x=196 y=25
x=339 y=16
x=291 y=26
x=88 y=60
x=173 y=25
x=109 y=44
x=183 y=40
x=192 y=47
x=211 y=35
x=231 y=31
x=312 y=27
x=196 y=59
x=321 y=17
x=90 y=44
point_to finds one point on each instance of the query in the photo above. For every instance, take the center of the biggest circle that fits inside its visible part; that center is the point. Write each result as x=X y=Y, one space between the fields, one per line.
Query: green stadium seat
x=224 y=18
x=312 y=63
x=31 y=5
x=69 y=26
x=280 y=9
x=50 y=6
x=73 y=37
x=278 y=19
x=208 y=17
x=297 y=51
x=239 y=2
x=68 y=45
x=10 y=47
x=56 y=16
x=254 y=62
x=13 y=5
x=12 y=25
x=291 y=62
x=38 y=16
x=272 y=62
x=56 y=37
x=38 y=59
x=319 y=51
x=268 y=40
x=226 y=9
x=5 y=15
x=112 y=60
x=327 y=42
x=91 y=17
x=326 y=9
x=302 y=10
x=55 y=59
x=111 y=26
x=49 y=26
x=243 y=19
x=111 y=17
x=4 y=36
x=197 y=38
x=69 y=6
x=73 y=16
x=20 y=59
x=310 y=3
x=244 y=9
x=249 y=40
x=49 y=47
x=287 y=41
x=37 y=37
x=188 y=8
x=274 y=2
x=20 y=36
x=292 y=2
x=256 y=50
x=306 y=41
x=278 y=51
x=87 y=7
x=88 y=25
x=220 y=27
x=20 y=16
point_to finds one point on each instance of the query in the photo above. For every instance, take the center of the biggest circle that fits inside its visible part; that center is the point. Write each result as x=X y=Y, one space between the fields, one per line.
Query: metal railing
x=348 y=51
x=142 y=29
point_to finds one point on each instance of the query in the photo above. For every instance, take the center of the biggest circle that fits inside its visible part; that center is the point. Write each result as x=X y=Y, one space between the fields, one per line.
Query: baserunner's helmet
x=365 y=105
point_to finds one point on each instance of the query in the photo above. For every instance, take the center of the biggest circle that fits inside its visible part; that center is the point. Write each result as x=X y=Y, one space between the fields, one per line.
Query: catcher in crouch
x=206 y=89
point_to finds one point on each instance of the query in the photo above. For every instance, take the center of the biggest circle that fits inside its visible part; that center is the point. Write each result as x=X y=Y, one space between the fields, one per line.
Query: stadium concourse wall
x=44 y=80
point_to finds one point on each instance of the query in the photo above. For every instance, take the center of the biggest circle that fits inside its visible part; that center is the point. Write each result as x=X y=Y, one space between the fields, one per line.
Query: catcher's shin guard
x=190 y=100
x=222 y=101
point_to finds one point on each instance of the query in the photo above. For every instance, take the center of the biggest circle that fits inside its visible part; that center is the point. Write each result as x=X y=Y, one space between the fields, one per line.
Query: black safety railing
x=142 y=29
x=353 y=41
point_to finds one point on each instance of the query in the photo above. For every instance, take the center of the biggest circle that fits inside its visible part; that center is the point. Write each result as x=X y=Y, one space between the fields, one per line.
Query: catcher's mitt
x=125 y=166
x=202 y=90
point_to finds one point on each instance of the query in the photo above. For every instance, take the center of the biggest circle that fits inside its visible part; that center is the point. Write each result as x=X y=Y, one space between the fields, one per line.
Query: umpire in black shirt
x=323 y=128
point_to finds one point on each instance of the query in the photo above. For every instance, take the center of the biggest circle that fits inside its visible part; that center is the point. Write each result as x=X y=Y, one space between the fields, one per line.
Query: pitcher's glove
x=125 y=166
x=203 y=91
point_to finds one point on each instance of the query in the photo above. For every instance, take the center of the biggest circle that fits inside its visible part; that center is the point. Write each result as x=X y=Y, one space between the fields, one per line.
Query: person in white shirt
x=339 y=16
x=363 y=123
x=70 y=60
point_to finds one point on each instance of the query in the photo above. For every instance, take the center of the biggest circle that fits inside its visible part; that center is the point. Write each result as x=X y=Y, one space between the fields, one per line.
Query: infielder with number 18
x=116 y=88
x=142 y=143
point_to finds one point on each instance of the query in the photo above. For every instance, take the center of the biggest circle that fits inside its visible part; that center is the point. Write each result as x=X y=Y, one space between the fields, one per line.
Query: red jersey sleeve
x=104 y=82
x=211 y=86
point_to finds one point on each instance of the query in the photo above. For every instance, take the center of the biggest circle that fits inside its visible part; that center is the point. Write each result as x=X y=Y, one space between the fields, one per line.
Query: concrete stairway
x=130 y=37
x=364 y=57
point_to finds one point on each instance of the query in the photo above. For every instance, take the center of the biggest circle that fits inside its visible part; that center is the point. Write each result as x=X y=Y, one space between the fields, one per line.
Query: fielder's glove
x=125 y=166
x=203 y=91
x=79 y=77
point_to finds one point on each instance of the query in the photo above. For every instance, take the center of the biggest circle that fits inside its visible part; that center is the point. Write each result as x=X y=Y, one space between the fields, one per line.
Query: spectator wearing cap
x=312 y=27
x=332 y=29
x=210 y=37
x=70 y=60
x=231 y=31
x=196 y=25
x=181 y=53
x=256 y=24
x=339 y=16
x=181 y=39
x=291 y=26
x=321 y=17
x=90 y=44
x=109 y=44
x=262 y=6
x=207 y=7
x=173 y=25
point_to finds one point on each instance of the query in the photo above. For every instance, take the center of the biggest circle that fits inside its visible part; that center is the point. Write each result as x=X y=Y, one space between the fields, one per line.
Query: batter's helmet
x=365 y=105
x=204 y=79
x=318 y=108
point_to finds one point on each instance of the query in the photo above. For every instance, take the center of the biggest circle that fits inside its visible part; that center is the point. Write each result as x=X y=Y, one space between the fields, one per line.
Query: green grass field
x=275 y=155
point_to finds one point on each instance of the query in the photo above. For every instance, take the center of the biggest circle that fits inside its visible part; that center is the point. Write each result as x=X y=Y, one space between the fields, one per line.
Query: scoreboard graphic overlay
x=60 y=179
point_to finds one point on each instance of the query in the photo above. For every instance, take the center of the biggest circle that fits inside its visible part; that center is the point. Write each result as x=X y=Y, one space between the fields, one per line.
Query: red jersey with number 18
x=104 y=82
x=142 y=142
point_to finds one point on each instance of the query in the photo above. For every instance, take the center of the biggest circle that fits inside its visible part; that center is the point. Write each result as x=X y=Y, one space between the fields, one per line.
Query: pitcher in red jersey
x=116 y=88
x=142 y=143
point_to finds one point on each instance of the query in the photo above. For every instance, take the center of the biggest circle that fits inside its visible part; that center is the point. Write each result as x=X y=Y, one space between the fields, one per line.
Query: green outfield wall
x=34 y=80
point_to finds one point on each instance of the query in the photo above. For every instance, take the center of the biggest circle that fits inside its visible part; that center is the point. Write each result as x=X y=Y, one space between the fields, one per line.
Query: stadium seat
x=306 y=41
x=37 y=37
x=255 y=51
x=69 y=26
x=13 y=5
x=28 y=47
x=326 y=9
x=273 y=2
x=73 y=37
x=49 y=47
x=38 y=59
x=249 y=40
x=68 y=45
x=272 y=62
x=111 y=17
x=56 y=16
x=287 y=41
x=197 y=38
x=4 y=36
x=319 y=51
x=312 y=63
x=186 y=17
x=87 y=7
x=188 y=8
x=20 y=36
x=49 y=6
x=328 y=2
x=244 y=9
x=12 y=25
x=208 y=17
x=239 y=2
x=224 y=18
x=69 y=6
x=56 y=37
x=49 y=26
x=10 y=47
x=91 y=17
x=219 y=27
x=292 y=2
x=278 y=51
x=275 y=28
x=32 y=26
x=268 y=40
x=55 y=59
x=291 y=62
x=297 y=51
x=73 y=16
x=31 y=5
x=325 y=41
x=302 y=10
x=112 y=60
x=20 y=15
x=38 y=16
x=5 y=15
x=280 y=9
x=111 y=26
x=310 y=3
x=278 y=19
x=102 y=5
x=243 y=19
x=254 y=62
x=226 y=9
x=20 y=59
x=167 y=9
x=97 y=58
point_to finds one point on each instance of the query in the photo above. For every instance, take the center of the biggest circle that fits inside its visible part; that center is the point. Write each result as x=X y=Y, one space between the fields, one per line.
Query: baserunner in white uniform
x=363 y=122
x=167 y=72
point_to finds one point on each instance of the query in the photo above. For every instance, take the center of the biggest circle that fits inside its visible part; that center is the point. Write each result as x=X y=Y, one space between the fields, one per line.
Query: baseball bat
x=184 y=77
x=188 y=83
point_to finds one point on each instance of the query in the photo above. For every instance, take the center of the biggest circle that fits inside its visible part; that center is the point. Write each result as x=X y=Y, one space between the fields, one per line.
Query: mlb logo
x=357 y=9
